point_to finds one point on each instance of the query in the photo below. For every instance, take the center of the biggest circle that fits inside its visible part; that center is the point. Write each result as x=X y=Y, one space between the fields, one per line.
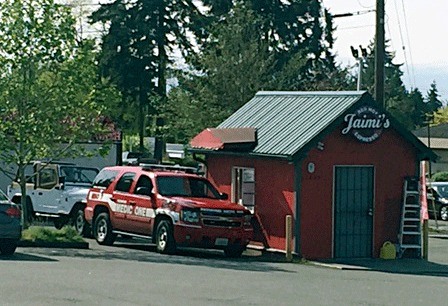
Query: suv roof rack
x=172 y=168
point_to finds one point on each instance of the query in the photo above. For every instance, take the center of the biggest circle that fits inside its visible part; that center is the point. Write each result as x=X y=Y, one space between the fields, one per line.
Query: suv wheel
x=164 y=238
x=234 y=251
x=444 y=213
x=8 y=246
x=102 y=230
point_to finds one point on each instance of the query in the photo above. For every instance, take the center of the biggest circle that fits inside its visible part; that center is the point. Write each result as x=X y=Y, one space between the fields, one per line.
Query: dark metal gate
x=353 y=211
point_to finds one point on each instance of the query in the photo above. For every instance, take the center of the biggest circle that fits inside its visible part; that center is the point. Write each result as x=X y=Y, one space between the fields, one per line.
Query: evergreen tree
x=135 y=50
x=418 y=115
x=230 y=70
x=433 y=103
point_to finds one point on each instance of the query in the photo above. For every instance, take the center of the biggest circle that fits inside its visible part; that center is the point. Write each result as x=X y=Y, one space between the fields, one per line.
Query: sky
x=416 y=31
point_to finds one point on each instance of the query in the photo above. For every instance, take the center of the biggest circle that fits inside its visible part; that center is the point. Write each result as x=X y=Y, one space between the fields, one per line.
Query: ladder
x=410 y=236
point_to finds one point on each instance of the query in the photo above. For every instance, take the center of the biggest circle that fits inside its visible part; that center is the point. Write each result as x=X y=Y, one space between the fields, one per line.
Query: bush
x=41 y=233
x=440 y=177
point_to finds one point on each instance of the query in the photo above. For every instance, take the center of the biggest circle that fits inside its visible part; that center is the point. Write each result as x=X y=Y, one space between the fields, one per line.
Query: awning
x=239 y=139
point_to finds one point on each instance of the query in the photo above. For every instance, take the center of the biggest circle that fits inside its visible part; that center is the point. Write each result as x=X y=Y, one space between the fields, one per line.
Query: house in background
x=335 y=161
x=436 y=137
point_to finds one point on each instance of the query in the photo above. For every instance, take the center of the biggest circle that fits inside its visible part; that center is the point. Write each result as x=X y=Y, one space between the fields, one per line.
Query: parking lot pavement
x=436 y=265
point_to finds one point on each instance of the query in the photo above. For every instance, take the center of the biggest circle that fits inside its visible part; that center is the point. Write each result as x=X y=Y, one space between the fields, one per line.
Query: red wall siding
x=274 y=192
x=393 y=159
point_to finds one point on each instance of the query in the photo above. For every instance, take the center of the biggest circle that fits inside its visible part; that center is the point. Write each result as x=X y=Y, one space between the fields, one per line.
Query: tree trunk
x=23 y=204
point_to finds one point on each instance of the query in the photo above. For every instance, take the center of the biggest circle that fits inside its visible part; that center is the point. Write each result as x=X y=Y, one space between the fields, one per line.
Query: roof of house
x=436 y=131
x=289 y=122
x=435 y=142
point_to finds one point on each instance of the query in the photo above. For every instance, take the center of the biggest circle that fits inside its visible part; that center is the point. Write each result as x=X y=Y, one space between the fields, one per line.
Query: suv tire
x=102 y=229
x=165 y=243
x=234 y=251
x=8 y=246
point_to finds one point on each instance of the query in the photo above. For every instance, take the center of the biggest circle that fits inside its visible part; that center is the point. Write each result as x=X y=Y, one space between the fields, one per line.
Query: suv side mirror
x=224 y=196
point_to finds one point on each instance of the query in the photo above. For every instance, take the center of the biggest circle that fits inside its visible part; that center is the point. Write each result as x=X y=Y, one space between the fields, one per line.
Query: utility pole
x=379 y=53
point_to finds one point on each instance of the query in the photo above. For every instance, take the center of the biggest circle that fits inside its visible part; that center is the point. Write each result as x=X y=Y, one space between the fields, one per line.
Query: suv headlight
x=189 y=215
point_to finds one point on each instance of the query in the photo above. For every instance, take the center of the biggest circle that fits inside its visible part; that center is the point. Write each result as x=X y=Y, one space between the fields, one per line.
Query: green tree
x=300 y=35
x=229 y=71
x=433 y=103
x=135 y=50
x=406 y=106
x=418 y=115
x=49 y=93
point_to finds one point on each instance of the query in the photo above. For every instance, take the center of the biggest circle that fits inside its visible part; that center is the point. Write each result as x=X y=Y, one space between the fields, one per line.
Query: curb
x=441 y=236
x=53 y=244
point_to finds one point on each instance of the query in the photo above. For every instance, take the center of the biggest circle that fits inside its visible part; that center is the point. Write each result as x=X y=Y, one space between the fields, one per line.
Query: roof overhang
x=234 y=139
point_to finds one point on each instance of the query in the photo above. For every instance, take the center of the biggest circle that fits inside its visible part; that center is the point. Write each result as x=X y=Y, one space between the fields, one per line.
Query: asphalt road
x=132 y=273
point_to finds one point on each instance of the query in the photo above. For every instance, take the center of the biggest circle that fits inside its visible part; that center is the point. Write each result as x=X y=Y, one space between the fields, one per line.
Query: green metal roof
x=287 y=121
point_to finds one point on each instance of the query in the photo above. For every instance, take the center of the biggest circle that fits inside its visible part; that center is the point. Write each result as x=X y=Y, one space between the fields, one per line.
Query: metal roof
x=287 y=121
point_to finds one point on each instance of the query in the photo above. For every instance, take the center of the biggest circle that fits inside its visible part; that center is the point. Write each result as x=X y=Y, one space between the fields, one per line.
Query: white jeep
x=56 y=191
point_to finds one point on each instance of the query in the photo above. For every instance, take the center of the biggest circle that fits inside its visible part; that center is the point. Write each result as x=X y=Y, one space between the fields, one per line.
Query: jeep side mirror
x=224 y=196
x=61 y=184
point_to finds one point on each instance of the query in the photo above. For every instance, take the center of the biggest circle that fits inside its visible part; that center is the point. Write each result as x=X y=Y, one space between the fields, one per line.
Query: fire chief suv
x=168 y=204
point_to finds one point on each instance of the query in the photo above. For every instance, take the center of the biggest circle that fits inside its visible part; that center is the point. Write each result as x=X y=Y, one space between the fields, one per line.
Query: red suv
x=168 y=205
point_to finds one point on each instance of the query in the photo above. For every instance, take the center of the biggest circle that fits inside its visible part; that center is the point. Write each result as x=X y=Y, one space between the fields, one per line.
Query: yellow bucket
x=388 y=251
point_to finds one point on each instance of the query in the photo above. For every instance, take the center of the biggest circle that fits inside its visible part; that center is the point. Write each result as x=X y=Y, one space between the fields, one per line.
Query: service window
x=125 y=182
x=243 y=187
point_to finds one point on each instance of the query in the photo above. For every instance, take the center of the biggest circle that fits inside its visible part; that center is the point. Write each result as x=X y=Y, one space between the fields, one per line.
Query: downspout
x=298 y=206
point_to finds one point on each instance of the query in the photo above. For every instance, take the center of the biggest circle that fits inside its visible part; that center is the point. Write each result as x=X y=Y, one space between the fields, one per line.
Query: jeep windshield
x=181 y=186
x=75 y=174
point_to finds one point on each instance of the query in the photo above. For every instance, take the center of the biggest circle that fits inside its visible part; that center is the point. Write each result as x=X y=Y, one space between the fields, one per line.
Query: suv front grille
x=221 y=223
x=222 y=217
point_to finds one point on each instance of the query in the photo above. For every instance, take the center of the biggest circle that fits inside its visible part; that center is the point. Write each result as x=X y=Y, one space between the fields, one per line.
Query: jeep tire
x=80 y=224
x=59 y=222
x=102 y=229
x=165 y=243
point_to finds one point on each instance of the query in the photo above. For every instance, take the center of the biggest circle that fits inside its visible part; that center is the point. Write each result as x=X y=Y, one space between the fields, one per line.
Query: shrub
x=41 y=233
x=440 y=177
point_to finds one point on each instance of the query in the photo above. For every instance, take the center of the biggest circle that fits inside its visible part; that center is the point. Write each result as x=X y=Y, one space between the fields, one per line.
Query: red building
x=335 y=161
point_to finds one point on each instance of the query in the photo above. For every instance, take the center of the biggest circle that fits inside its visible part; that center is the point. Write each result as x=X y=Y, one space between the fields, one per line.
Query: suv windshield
x=186 y=187
x=442 y=190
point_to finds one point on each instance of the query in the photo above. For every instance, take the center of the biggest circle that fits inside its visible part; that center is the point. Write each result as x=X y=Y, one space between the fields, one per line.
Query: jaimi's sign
x=366 y=124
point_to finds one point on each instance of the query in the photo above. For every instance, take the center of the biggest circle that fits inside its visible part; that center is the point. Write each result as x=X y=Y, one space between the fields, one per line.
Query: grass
x=41 y=233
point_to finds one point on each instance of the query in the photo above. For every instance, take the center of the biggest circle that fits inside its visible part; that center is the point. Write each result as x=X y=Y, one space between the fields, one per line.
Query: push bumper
x=211 y=237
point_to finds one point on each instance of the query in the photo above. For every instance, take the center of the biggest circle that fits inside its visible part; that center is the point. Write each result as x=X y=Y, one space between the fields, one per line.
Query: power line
x=409 y=43
x=357 y=27
x=365 y=6
x=403 y=44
